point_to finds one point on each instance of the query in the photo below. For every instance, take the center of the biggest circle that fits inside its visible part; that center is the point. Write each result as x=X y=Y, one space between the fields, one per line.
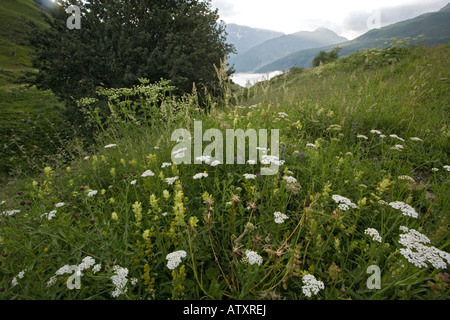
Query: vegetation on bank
x=364 y=182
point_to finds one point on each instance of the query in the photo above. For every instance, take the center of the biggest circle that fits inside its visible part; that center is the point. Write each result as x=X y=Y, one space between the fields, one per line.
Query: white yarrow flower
x=92 y=193
x=59 y=205
x=311 y=285
x=148 y=173
x=166 y=164
x=344 y=204
x=249 y=176
x=396 y=137
x=280 y=217
x=110 y=146
x=405 y=208
x=253 y=257
x=170 y=181
x=373 y=233
x=174 y=259
x=200 y=175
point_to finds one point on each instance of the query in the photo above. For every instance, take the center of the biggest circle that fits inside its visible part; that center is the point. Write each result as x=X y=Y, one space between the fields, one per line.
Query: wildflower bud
x=92 y=221
x=22 y=203
x=111 y=264
x=343 y=290
x=81 y=188
x=95 y=231
x=20 y=193
x=29 y=203
x=4 y=255
x=125 y=176
x=84 y=270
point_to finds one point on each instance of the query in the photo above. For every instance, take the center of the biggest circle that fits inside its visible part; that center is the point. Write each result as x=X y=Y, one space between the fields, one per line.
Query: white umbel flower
x=119 y=279
x=311 y=285
x=110 y=146
x=249 y=176
x=344 y=204
x=200 y=175
x=148 y=173
x=166 y=164
x=290 y=180
x=253 y=257
x=92 y=193
x=280 y=217
x=170 y=181
x=418 y=253
x=405 y=208
x=174 y=259
x=373 y=233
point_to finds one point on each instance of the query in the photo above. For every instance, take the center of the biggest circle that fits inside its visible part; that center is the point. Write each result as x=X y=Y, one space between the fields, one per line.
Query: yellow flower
x=113 y=172
x=111 y=200
x=46 y=250
x=68 y=169
x=114 y=216
x=122 y=161
x=146 y=234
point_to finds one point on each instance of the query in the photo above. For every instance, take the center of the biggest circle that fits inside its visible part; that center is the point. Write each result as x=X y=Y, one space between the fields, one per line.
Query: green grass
x=30 y=122
x=217 y=218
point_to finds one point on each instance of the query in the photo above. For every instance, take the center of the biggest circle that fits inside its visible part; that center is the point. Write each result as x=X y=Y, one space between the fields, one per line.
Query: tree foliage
x=325 y=57
x=122 y=41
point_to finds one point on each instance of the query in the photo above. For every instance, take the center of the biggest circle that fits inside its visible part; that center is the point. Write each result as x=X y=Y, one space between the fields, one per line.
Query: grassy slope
x=328 y=106
x=26 y=113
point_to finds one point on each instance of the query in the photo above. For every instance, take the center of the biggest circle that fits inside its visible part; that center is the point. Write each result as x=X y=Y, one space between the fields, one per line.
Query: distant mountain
x=434 y=26
x=243 y=38
x=274 y=49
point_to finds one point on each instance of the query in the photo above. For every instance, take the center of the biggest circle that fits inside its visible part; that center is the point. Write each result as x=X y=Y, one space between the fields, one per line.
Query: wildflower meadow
x=357 y=209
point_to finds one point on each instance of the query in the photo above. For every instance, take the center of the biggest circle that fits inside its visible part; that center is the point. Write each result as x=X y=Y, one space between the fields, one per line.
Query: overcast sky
x=348 y=18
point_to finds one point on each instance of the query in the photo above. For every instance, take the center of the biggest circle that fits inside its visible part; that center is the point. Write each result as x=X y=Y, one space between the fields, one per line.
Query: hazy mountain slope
x=244 y=38
x=433 y=26
x=274 y=49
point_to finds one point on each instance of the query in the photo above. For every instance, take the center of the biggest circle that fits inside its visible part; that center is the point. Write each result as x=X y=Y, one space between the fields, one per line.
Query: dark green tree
x=325 y=57
x=121 y=41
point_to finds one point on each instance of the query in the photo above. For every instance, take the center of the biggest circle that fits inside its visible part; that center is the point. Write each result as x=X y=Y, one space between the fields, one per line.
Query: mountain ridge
x=432 y=25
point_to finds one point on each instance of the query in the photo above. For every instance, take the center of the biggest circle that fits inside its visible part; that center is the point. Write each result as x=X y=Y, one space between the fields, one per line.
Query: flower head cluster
x=215 y=163
x=398 y=147
x=417 y=253
x=174 y=259
x=92 y=193
x=280 y=217
x=166 y=164
x=343 y=203
x=360 y=136
x=9 y=213
x=205 y=159
x=110 y=146
x=248 y=176
x=373 y=233
x=253 y=257
x=200 y=175
x=148 y=173
x=405 y=208
x=86 y=263
x=119 y=279
x=289 y=179
x=49 y=215
x=311 y=285
x=178 y=154
x=396 y=137
x=20 y=275
x=406 y=178
x=312 y=145
x=447 y=168
x=266 y=159
x=416 y=139
x=170 y=181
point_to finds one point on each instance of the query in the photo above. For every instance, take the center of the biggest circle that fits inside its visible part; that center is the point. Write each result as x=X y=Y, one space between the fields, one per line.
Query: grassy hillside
x=365 y=182
x=28 y=117
x=432 y=26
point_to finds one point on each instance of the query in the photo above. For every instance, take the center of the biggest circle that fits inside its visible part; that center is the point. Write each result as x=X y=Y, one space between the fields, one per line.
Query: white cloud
x=290 y=16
